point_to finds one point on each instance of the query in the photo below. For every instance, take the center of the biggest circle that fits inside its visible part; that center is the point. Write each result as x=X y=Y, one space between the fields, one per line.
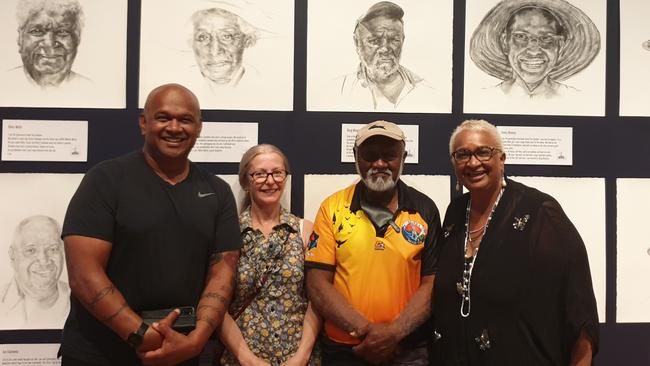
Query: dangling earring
x=457 y=185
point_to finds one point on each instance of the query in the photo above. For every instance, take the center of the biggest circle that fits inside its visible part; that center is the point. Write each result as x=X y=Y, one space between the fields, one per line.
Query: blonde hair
x=245 y=164
x=478 y=125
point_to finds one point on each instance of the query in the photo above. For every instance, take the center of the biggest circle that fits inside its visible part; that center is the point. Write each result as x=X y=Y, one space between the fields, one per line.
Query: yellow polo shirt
x=376 y=272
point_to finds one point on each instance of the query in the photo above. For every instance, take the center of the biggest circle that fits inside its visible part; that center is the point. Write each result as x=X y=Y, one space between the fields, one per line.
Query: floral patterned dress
x=272 y=322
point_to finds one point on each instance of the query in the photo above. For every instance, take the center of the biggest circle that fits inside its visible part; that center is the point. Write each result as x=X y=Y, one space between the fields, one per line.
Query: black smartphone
x=185 y=323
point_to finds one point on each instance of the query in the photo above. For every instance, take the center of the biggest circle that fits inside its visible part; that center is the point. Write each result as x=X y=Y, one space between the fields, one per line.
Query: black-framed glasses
x=278 y=176
x=483 y=153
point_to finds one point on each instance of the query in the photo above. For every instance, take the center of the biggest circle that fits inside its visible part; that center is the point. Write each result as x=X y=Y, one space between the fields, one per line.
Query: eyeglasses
x=278 y=176
x=483 y=153
x=524 y=39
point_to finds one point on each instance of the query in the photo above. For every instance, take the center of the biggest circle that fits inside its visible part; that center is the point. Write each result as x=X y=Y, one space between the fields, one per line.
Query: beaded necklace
x=468 y=265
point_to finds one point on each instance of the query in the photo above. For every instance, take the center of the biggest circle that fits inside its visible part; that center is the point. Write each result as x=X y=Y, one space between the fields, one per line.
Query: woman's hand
x=296 y=359
x=250 y=359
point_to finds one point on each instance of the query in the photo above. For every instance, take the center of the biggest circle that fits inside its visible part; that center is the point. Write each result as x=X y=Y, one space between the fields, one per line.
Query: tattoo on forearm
x=112 y=316
x=208 y=320
x=216 y=296
x=215 y=258
x=227 y=288
x=207 y=307
x=100 y=295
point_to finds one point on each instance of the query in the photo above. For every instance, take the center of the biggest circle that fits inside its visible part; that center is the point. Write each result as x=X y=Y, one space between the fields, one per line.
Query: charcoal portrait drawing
x=634 y=60
x=380 y=81
x=35 y=297
x=232 y=54
x=533 y=46
x=219 y=40
x=49 y=33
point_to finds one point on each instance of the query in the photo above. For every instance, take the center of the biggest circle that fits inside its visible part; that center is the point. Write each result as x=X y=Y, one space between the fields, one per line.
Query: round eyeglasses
x=278 y=176
x=483 y=153
x=523 y=39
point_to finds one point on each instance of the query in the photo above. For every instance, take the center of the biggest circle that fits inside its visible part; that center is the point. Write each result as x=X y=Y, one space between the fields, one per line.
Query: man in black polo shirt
x=147 y=231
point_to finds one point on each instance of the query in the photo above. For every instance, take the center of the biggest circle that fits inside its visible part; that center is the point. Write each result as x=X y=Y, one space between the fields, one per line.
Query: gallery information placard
x=537 y=145
x=32 y=140
x=349 y=134
x=224 y=142
x=42 y=354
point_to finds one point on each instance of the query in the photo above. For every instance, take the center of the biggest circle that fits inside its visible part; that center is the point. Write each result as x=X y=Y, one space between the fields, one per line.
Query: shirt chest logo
x=414 y=232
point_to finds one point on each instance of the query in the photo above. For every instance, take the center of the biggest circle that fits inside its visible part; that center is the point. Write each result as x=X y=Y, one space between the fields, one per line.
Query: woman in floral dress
x=277 y=326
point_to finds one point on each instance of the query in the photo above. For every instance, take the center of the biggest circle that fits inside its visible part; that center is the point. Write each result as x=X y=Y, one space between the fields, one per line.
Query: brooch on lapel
x=483 y=341
x=447 y=231
x=520 y=222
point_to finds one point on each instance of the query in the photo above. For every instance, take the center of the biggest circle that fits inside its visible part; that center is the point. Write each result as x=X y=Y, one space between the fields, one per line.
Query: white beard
x=379 y=184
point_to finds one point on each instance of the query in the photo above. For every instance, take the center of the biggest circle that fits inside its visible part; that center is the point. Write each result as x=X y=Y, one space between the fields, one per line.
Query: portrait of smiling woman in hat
x=533 y=45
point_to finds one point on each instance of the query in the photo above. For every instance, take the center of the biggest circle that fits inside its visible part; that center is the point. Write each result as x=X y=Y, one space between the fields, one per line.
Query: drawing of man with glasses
x=532 y=45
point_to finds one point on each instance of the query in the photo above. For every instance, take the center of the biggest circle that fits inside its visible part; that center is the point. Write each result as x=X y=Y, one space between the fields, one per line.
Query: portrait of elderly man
x=380 y=81
x=534 y=45
x=220 y=38
x=49 y=33
x=35 y=297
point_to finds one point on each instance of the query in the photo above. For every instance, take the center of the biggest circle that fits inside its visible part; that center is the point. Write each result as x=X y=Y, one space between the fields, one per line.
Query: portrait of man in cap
x=534 y=45
x=380 y=81
x=380 y=56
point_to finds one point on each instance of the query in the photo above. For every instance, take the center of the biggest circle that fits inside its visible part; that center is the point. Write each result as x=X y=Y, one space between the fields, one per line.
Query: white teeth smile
x=45 y=273
x=475 y=174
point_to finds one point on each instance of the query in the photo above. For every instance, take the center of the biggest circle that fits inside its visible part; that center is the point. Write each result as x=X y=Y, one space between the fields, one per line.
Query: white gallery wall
x=632 y=250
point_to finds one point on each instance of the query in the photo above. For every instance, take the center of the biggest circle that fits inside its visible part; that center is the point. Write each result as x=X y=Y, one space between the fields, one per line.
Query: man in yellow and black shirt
x=371 y=259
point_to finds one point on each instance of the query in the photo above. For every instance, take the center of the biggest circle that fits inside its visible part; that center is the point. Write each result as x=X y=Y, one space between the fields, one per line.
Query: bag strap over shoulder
x=250 y=299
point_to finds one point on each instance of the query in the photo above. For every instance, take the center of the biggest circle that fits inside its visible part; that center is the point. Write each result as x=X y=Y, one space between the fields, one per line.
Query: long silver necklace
x=464 y=287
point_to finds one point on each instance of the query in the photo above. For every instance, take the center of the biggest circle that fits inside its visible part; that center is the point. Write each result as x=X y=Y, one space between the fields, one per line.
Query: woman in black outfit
x=513 y=285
